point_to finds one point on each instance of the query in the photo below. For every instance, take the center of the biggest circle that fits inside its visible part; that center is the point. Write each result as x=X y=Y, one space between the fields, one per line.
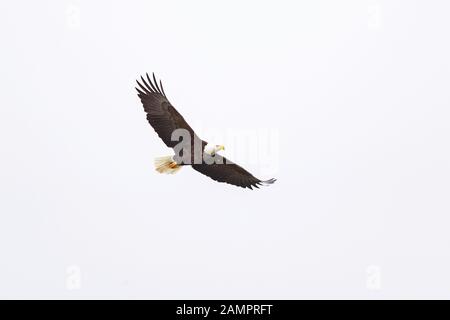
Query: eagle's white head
x=212 y=149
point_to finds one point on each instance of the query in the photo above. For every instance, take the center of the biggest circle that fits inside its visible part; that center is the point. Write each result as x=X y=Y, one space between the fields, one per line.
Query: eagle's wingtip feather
x=268 y=182
x=150 y=86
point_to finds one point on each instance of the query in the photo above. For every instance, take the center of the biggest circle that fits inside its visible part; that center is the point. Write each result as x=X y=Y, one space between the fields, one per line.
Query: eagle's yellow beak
x=221 y=147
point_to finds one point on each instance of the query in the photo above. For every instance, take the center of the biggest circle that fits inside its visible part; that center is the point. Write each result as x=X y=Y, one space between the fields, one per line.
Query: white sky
x=345 y=102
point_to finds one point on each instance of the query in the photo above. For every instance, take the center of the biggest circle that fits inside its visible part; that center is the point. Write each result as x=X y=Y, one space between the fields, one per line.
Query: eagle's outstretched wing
x=223 y=170
x=163 y=117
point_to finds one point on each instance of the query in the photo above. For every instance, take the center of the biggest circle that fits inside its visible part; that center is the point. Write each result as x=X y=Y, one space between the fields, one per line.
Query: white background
x=355 y=97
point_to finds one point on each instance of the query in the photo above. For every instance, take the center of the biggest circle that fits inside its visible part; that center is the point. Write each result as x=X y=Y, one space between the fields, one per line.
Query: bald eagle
x=189 y=149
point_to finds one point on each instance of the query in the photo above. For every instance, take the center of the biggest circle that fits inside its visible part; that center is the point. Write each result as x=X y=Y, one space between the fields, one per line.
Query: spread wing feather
x=223 y=170
x=161 y=115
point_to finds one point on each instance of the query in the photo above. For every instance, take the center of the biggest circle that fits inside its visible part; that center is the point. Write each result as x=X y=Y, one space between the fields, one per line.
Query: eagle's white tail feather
x=166 y=165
